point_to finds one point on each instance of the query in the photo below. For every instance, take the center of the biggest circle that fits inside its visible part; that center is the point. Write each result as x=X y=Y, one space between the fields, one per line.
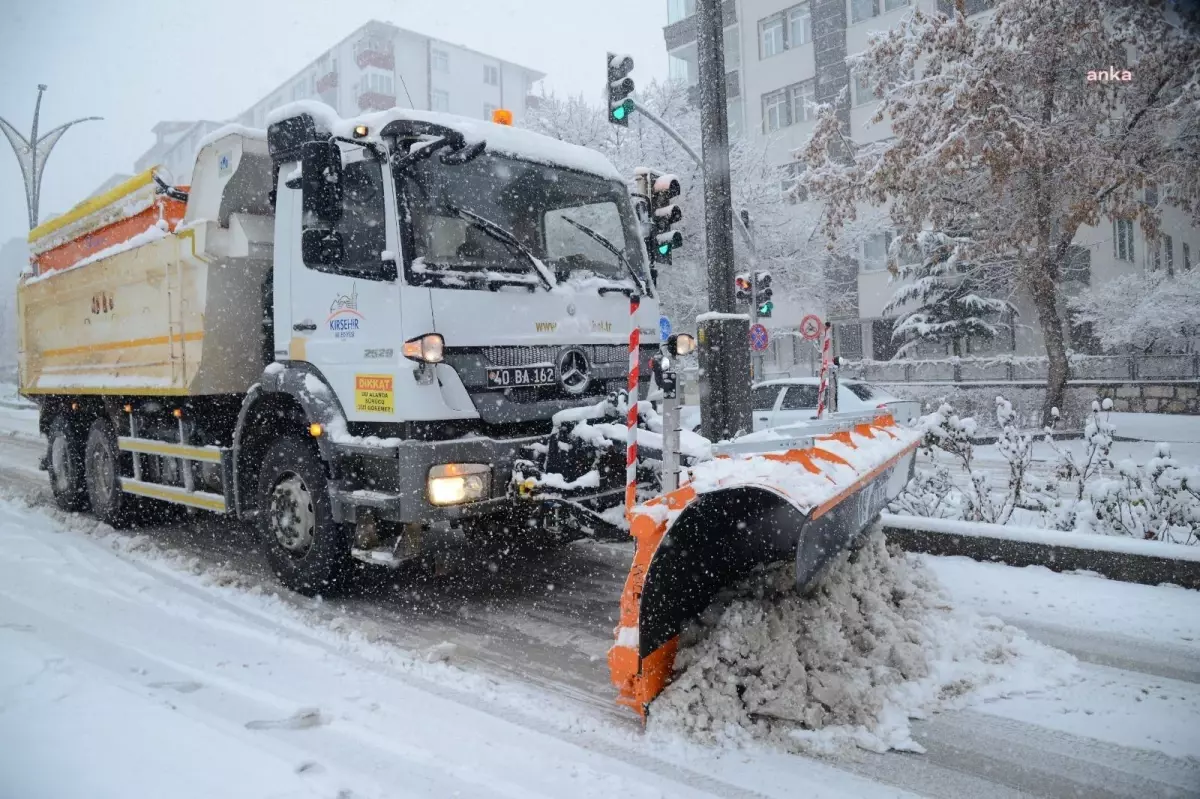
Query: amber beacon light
x=502 y=116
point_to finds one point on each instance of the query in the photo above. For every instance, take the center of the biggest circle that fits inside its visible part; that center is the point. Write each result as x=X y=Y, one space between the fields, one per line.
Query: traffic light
x=620 y=86
x=741 y=285
x=763 y=293
x=664 y=215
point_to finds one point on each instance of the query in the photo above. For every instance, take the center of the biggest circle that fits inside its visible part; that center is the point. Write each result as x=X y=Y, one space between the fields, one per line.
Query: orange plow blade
x=764 y=498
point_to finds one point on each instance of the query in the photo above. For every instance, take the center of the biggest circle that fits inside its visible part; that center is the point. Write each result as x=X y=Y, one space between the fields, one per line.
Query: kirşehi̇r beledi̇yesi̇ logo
x=344 y=317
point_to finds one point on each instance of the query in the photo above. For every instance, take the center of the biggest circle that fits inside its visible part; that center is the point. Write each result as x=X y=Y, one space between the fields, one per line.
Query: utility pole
x=32 y=154
x=724 y=354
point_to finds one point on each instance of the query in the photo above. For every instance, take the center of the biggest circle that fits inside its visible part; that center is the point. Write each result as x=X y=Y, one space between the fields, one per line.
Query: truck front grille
x=530 y=356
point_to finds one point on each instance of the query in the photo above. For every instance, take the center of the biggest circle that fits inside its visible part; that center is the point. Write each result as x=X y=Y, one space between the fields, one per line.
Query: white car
x=776 y=403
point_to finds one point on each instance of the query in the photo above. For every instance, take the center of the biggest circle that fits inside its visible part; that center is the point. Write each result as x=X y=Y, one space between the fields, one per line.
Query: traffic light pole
x=724 y=361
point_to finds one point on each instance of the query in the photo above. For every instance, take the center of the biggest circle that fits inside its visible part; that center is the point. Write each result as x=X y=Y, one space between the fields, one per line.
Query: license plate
x=522 y=376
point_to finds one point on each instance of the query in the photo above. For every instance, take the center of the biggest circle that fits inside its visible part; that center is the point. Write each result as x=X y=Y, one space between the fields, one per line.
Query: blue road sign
x=758 y=338
x=664 y=327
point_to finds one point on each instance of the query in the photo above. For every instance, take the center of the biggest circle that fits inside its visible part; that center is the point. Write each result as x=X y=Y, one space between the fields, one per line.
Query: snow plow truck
x=384 y=337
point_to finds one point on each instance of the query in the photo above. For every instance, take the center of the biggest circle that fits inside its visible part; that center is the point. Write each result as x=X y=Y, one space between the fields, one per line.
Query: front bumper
x=393 y=481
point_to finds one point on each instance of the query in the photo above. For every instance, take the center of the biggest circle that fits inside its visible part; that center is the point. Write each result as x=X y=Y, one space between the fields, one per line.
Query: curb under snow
x=1115 y=557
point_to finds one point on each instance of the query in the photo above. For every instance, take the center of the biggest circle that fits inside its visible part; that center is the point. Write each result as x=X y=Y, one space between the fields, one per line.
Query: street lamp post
x=33 y=152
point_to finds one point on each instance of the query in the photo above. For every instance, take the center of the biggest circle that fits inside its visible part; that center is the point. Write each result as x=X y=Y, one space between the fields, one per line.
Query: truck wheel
x=65 y=465
x=308 y=551
x=102 y=475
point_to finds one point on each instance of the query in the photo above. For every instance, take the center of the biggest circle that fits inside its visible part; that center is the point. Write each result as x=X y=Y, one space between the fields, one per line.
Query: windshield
x=535 y=203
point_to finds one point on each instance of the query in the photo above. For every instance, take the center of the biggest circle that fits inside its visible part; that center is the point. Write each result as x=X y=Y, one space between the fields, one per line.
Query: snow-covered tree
x=994 y=124
x=1148 y=312
x=781 y=229
x=941 y=299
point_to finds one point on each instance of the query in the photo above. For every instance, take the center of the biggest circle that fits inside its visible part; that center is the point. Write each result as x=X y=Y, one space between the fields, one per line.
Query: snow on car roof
x=505 y=139
x=800 y=381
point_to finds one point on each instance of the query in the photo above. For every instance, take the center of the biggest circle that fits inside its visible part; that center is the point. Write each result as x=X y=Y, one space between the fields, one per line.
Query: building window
x=875 y=252
x=847 y=339
x=377 y=83
x=775 y=111
x=803 y=96
x=863 y=9
x=1151 y=194
x=735 y=118
x=732 y=41
x=678 y=68
x=799 y=26
x=892 y=5
x=785 y=30
x=488 y=110
x=440 y=100
x=862 y=91
x=441 y=60
x=1187 y=257
x=491 y=75
x=680 y=9
x=770 y=37
x=1123 y=239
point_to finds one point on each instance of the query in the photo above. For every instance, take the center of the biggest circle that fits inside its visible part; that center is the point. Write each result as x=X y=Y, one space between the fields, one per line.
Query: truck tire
x=102 y=475
x=308 y=551
x=65 y=465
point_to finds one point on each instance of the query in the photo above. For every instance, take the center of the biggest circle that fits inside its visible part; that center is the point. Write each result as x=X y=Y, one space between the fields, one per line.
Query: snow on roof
x=515 y=142
x=230 y=130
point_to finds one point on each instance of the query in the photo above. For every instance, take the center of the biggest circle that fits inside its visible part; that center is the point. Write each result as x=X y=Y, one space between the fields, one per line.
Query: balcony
x=677 y=34
x=374 y=53
x=375 y=101
x=327 y=82
x=733 y=89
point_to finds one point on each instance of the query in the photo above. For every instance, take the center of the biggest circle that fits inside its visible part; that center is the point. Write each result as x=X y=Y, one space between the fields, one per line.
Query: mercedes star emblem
x=573 y=371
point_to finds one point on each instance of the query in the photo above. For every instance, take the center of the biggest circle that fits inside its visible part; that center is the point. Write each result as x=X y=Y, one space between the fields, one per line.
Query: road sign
x=664 y=327
x=758 y=338
x=810 y=328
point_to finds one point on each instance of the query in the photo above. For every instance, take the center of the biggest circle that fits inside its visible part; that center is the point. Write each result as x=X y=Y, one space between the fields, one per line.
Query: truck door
x=347 y=313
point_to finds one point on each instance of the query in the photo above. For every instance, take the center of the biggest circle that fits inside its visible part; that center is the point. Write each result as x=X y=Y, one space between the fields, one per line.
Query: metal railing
x=1034 y=369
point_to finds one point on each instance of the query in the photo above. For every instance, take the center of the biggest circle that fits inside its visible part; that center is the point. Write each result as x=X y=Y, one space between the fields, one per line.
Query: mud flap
x=714 y=540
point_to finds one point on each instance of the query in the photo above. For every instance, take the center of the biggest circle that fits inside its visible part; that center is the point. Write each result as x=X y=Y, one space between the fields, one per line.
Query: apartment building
x=781 y=55
x=377 y=67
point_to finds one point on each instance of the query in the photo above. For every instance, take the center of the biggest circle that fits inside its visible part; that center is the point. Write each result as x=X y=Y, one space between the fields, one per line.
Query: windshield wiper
x=608 y=245
x=504 y=237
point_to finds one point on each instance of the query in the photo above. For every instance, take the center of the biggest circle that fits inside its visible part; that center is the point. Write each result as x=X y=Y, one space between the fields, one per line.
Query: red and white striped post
x=826 y=365
x=632 y=416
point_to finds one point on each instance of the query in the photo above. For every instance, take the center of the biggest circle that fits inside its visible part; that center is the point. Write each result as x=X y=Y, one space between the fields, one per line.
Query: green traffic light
x=619 y=112
x=766 y=308
x=664 y=249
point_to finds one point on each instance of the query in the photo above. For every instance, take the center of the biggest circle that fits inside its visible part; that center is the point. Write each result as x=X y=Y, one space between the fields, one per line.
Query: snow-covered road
x=167 y=664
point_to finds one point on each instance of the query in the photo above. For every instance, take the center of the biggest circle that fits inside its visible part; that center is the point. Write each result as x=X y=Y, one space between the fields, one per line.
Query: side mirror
x=464 y=155
x=322 y=247
x=321 y=180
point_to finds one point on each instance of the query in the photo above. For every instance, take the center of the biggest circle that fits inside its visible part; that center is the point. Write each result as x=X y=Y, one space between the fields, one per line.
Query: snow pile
x=876 y=645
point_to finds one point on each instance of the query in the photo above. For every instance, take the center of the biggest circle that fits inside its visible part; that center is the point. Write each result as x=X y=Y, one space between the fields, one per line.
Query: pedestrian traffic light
x=664 y=215
x=765 y=309
x=741 y=285
x=620 y=86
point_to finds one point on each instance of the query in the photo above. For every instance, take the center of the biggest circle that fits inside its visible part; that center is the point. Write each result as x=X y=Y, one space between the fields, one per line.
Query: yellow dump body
x=177 y=314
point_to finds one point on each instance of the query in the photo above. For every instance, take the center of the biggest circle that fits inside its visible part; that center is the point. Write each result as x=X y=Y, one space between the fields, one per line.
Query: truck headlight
x=455 y=483
x=425 y=349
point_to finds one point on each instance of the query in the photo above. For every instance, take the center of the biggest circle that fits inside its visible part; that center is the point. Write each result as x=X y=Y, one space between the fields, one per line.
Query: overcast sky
x=137 y=62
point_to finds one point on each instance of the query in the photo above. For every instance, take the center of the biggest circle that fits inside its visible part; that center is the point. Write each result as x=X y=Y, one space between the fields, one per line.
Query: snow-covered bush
x=976 y=501
x=1158 y=500
x=1078 y=472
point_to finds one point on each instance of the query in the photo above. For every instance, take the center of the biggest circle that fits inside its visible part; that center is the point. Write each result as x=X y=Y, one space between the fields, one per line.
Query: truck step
x=174 y=494
x=147 y=446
